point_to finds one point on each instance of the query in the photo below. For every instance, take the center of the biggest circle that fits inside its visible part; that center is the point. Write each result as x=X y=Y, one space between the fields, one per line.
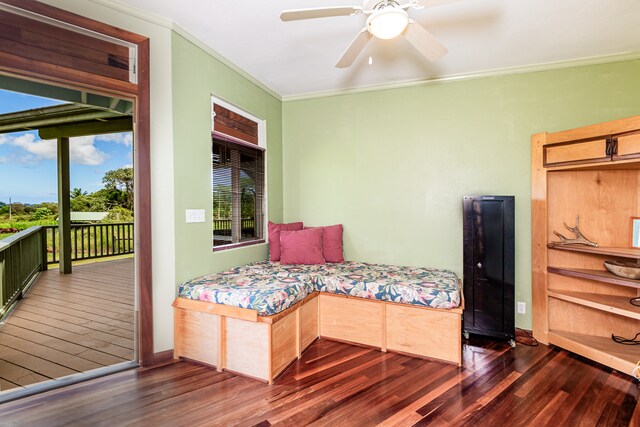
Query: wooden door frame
x=16 y=65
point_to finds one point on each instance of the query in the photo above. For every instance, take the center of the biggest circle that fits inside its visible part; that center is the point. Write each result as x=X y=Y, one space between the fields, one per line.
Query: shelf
x=601 y=349
x=597 y=275
x=616 y=304
x=632 y=253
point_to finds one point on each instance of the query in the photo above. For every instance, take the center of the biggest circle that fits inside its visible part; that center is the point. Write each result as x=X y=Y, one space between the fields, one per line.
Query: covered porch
x=67 y=324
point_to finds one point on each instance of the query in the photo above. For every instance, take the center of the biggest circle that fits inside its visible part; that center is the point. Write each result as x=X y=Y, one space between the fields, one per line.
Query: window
x=238 y=180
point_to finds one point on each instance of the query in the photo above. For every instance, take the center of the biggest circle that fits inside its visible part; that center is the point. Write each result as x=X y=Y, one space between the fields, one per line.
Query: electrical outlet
x=522 y=307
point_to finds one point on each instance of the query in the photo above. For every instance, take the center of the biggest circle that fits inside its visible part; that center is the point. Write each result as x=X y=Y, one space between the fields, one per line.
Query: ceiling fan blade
x=356 y=46
x=318 y=12
x=422 y=40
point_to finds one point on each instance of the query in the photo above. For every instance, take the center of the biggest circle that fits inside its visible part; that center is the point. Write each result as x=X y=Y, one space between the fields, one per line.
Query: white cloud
x=37 y=148
x=125 y=138
x=81 y=149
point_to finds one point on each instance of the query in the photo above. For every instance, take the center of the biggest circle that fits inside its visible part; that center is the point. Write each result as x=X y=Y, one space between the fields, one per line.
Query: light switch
x=194 y=215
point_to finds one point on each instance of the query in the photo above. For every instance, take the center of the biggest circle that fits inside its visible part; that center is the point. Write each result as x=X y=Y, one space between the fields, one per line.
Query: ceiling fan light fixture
x=387 y=23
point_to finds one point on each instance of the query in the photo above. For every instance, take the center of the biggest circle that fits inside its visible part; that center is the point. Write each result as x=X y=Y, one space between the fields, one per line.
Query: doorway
x=95 y=65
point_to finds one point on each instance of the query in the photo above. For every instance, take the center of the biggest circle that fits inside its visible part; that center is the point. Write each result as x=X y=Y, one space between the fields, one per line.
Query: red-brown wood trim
x=79 y=20
x=235 y=125
x=143 y=206
x=238 y=245
x=163 y=357
x=67 y=77
x=17 y=66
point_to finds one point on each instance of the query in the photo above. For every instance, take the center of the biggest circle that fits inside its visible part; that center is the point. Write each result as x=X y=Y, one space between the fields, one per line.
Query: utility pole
x=9 y=209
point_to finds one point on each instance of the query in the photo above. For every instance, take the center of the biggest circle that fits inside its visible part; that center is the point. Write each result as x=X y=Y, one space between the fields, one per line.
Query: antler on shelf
x=579 y=240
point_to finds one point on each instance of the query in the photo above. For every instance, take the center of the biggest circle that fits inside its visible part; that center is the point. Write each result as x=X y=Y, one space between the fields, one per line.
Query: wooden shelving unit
x=597 y=275
x=609 y=303
x=601 y=349
x=577 y=304
x=630 y=253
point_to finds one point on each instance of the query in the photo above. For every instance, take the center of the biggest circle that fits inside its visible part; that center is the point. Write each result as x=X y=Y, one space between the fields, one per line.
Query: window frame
x=260 y=146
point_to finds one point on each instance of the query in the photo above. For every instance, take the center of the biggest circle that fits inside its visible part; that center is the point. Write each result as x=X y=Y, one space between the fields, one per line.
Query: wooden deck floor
x=337 y=385
x=69 y=323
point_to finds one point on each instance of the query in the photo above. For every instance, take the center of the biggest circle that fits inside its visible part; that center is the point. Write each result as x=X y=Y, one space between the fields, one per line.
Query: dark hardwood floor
x=342 y=385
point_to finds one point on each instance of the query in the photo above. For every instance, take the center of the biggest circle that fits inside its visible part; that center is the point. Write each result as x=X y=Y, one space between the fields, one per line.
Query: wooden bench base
x=262 y=347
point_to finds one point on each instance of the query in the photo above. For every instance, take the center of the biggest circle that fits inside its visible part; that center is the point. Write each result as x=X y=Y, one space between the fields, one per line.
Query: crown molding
x=119 y=6
x=547 y=66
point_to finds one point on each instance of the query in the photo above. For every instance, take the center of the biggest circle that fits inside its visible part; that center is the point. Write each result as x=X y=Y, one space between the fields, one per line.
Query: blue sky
x=28 y=164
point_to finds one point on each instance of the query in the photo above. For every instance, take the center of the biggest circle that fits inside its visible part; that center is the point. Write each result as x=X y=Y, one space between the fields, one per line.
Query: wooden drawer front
x=628 y=146
x=248 y=349
x=424 y=332
x=308 y=323
x=197 y=336
x=576 y=152
x=284 y=348
x=351 y=319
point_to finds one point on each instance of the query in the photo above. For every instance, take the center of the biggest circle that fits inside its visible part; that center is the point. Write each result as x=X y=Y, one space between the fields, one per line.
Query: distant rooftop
x=87 y=216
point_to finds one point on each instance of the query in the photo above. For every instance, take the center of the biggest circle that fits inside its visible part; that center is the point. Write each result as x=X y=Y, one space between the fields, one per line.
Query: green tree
x=41 y=213
x=77 y=192
x=53 y=207
x=122 y=180
x=119 y=214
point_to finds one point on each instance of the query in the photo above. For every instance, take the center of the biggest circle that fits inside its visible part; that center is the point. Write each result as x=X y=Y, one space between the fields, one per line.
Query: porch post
x=64 y=206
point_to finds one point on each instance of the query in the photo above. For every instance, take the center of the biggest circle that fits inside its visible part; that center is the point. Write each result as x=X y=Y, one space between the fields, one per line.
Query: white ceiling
x=296 y=58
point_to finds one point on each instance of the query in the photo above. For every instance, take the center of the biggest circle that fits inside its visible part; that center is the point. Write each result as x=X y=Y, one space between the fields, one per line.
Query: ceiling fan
x=386 y=19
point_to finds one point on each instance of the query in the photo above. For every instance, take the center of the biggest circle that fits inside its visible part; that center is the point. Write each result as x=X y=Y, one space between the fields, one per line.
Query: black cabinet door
x=489 y=265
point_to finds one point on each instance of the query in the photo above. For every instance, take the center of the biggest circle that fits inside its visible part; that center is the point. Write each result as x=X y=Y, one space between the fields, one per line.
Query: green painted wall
x=393 y=165
x=196 y=76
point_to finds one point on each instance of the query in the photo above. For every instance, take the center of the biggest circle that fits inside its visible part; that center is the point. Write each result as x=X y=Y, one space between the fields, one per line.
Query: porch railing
x=21 y=257
x=90 y=241
x=24 y=254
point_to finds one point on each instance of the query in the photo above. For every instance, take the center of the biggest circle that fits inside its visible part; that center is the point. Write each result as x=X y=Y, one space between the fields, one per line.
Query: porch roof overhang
x=66 y=120
x=62 y=122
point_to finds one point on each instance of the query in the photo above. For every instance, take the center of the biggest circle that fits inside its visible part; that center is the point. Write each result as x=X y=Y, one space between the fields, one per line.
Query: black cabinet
x=489 y=266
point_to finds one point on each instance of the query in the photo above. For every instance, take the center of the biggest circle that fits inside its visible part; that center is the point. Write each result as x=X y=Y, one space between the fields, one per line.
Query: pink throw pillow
x=332 y=243
x=274 y=237
x=301 y=247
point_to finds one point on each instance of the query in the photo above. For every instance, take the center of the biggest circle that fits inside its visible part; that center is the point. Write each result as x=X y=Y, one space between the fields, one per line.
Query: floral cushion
x=270 y=287
x=268 y=293
x=407 y=285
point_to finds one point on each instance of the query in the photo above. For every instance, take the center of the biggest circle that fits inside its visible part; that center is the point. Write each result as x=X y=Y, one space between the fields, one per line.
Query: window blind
x=238 y=192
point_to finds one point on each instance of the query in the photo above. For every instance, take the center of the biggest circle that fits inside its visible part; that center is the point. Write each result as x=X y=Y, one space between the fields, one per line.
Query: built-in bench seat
x=257 y=319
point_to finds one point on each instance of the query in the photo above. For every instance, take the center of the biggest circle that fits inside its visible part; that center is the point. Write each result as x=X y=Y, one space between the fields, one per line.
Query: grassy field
x=22 y=225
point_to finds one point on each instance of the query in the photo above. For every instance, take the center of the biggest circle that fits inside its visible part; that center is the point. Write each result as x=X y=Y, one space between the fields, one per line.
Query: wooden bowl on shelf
x=623 y=269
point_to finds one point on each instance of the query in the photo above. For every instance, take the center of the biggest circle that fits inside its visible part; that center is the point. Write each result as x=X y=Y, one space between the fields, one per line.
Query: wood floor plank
x=7 y=385
x=94 y=317
x=104 y=358
x=342 y=385
x=83 y=340
x=70 y=323
x=63 y=359
x=34 y=363
x=74 y=328
x=18 y=375
x=82 y=309
x=89 y=300
x=45 y=340
x=85 y=289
